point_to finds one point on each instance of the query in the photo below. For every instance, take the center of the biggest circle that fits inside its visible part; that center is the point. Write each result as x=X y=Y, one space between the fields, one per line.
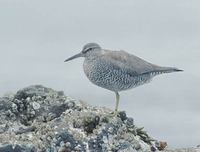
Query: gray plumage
x=117 y=70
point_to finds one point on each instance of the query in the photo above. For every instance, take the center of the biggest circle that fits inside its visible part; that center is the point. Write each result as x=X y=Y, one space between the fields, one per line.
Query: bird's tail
x=161 y=70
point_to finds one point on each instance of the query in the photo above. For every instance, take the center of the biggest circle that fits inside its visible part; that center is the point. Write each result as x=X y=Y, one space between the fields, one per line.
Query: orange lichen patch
x=162 y=145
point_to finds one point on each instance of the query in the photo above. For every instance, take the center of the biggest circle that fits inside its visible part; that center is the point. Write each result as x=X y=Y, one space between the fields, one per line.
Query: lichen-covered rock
x=39 y=119
x=184 y=150
x=17 y=148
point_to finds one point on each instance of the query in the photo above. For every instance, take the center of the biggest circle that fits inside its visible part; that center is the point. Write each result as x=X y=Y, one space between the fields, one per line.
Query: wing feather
x=131 y=64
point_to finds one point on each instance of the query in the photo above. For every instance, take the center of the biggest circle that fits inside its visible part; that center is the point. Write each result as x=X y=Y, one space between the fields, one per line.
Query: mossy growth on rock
x=90 y=123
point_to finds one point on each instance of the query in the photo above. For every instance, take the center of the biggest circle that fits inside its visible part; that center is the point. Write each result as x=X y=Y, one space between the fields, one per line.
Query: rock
x=183 y=150
x=122 y=115
x=90 y=123
x=16 y=148
x=161 y=145
x=41 y=119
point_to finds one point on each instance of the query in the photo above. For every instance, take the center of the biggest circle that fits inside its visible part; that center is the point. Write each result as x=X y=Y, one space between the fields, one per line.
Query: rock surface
x=39 y=119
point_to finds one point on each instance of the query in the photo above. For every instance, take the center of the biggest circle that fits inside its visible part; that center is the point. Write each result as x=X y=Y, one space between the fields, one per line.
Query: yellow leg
x=117 y=102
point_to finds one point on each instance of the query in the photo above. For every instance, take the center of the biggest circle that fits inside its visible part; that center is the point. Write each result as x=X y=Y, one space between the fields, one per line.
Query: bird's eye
x=89 y=49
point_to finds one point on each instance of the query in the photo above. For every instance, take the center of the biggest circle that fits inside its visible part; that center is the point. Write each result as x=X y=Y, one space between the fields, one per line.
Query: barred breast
x=104 y=75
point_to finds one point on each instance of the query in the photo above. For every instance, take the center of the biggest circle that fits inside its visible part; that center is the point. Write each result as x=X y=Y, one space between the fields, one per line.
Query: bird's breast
x=105 y=75
x=91 y=69
x=102 y=74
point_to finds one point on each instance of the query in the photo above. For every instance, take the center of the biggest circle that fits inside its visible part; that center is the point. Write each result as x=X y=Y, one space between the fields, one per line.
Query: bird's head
x=88 y=49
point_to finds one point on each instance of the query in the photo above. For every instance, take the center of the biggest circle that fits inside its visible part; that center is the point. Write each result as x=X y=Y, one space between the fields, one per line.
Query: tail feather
x=169 y=69
x=161 y=70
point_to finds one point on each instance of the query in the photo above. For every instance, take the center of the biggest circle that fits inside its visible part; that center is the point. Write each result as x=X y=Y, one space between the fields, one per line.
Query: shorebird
x=117 y=70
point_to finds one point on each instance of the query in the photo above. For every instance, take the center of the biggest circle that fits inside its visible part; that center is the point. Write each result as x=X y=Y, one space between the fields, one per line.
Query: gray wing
x=130 y=64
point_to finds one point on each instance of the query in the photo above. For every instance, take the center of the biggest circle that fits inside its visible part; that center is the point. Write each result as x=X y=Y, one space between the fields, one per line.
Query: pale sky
x=36 y=36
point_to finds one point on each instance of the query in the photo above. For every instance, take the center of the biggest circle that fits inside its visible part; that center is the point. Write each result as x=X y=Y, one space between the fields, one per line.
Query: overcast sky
x=36 y=36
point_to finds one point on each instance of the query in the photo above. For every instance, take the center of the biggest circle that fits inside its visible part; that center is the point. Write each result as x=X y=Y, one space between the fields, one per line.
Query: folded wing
x=129 y=63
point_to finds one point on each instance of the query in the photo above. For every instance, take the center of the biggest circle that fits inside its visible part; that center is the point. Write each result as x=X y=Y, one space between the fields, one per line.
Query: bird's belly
x=112 y=79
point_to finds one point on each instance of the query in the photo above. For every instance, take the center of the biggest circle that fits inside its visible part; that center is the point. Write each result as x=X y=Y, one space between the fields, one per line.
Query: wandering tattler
x=117 y=70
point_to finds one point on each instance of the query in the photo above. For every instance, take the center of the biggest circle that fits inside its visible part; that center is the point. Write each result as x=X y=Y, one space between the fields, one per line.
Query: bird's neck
x=93 y=55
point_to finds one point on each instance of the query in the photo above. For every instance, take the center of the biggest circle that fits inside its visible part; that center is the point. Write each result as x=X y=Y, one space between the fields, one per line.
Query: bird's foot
x=113 y=114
